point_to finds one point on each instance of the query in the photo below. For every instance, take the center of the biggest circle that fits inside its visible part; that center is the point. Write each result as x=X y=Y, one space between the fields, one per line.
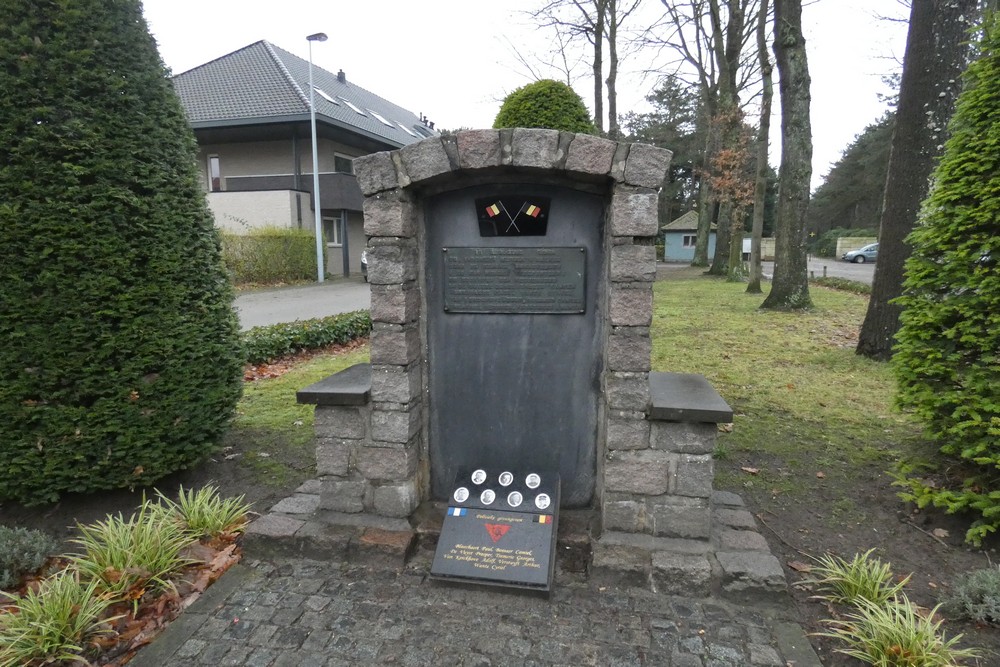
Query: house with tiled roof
x=680 y=236
x=250 y=114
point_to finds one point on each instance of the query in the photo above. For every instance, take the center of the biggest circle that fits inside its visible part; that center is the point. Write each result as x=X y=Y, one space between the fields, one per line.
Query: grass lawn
x=814 y=437
x=805 y=403
x=273 y=432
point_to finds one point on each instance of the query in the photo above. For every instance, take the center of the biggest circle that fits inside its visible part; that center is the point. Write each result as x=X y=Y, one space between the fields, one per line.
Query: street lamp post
x=318 y=37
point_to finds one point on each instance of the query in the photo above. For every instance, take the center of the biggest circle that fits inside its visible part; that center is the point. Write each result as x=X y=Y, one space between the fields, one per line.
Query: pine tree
x=947 y=358
x=120 y=353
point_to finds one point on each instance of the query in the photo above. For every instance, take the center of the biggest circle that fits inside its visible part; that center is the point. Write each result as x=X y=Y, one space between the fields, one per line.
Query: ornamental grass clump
x=895 y=633
x=22 y=551
x=59 y=623
x=204 y=513
x=130 y=557
x=861 y=578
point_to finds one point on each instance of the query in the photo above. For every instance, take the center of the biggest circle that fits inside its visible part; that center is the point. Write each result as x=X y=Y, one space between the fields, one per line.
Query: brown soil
x=928 y=545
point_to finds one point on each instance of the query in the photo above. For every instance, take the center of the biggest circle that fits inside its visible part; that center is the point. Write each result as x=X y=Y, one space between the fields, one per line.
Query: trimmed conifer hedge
x=947 y=359
x=546 y=104
x=266 y=343
x=120 y=351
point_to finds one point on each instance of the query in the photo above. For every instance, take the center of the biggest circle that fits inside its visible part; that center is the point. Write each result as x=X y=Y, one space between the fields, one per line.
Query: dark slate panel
x=686 y=397
x=351 y=386
x=489 y=537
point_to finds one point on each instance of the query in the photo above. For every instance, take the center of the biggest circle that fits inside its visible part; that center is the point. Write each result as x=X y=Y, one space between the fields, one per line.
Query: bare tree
x=599 y=23
x=937 y=50
x=708 y=39
x=790 y=286
x=763 y=143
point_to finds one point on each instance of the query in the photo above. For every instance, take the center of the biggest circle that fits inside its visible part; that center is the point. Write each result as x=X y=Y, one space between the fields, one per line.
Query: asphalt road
x=832 y=268
x=343 y=295
x=288 y=304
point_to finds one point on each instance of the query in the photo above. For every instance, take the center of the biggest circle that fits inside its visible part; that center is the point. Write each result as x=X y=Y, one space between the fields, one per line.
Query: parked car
x=364 y=264
x=867 y=254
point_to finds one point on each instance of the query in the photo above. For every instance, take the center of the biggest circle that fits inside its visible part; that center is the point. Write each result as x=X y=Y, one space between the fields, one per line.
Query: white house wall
x=241 y=212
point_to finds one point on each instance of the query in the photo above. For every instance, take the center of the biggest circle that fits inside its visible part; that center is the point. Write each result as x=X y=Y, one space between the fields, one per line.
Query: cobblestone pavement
x=301 y=612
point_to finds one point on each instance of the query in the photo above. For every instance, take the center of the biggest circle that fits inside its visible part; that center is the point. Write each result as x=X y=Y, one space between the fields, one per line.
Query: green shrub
x=843 y=284
x=130 y=557
x=547 y=104
x=947 y=358
x=120 y=355
x=975 y=595
x=22 y=551
x=269 y=256
x=895 y=633
x=55 y=625
x=262 y=344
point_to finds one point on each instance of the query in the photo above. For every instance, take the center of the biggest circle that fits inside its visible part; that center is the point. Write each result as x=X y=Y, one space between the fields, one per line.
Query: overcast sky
x=455 y=60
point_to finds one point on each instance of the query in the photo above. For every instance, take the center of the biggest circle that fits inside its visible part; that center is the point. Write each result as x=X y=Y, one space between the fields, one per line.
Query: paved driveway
x=288 y=304
x=832 y=268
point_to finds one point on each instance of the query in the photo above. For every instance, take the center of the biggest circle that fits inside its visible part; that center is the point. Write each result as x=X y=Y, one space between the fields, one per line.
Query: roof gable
x=262 y=82
x=686 y=222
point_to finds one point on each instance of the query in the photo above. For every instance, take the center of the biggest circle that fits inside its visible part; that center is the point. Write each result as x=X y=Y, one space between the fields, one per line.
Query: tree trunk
x=790 y=287
x=612 y=9
x=723 y=231
x=735 y=271
x=706 y=211
x=936 y=53
x=763 y=136
x=598 y=68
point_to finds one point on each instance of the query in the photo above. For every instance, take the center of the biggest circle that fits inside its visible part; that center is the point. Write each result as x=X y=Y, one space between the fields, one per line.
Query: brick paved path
x=301 y=612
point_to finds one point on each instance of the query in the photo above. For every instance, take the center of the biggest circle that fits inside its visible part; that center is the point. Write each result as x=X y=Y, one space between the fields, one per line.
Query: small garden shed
x=679 y=238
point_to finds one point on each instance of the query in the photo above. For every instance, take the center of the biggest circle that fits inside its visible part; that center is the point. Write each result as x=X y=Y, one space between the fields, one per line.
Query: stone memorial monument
x=511 y=278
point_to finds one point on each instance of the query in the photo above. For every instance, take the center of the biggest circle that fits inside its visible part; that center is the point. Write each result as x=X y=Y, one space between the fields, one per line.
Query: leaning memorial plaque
x=500 y=529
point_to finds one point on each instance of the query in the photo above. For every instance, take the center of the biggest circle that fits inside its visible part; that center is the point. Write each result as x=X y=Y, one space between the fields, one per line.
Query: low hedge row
x=843 y=284
x=269 y=256
x=262 y=344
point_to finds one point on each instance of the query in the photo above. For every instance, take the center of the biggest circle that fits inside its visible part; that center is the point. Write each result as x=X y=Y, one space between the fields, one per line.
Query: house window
x=214 y=173
x=689 y=241
x=343 y=165
x=331 y=231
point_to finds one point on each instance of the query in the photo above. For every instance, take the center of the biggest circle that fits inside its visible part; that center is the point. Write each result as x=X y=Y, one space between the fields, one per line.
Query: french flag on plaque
x=456 y=511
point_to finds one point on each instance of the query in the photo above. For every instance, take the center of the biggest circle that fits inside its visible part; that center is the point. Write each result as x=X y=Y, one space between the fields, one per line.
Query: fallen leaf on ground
x=752 y=471
x=940 y=533
x=799 y=566
x=821 y=475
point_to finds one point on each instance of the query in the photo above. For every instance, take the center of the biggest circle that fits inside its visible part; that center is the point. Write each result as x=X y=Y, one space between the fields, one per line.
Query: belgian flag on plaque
x=513 y=216
x=543 y=518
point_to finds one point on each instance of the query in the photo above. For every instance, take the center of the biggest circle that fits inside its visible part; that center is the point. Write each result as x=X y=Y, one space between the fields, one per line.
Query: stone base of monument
x=734 y=564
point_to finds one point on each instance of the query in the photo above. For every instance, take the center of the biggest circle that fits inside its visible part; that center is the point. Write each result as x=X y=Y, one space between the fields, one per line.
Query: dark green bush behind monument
x=947 y=358
x=120 y=358
x=547 y=104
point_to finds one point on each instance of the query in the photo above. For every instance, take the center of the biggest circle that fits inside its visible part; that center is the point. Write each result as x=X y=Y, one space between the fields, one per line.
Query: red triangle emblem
x=496 y=530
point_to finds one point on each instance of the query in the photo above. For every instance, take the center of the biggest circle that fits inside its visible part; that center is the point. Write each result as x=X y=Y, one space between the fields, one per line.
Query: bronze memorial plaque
x=500 y=529
x=514 y=280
